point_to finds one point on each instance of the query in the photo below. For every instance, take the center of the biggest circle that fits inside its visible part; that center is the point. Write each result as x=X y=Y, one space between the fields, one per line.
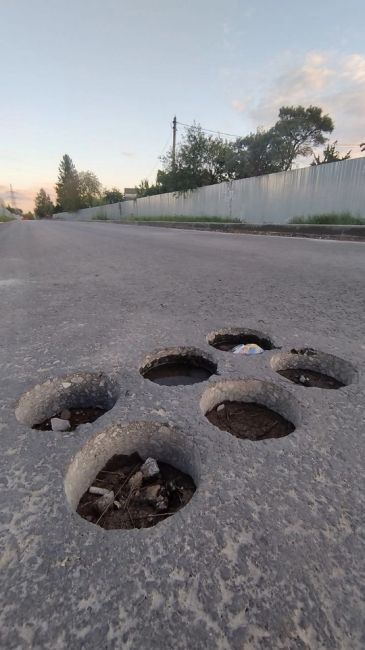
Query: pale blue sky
x=101 y=79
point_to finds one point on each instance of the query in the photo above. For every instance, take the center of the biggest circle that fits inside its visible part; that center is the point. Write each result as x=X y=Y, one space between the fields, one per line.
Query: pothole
x=250 y=409
x=313 y=369
x=178 y=366
x=139 y=474
x=74 y=399
x=228 y=338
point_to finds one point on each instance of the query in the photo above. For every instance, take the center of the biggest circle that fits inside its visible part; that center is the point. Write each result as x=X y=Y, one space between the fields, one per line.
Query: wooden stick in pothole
x=118 y=491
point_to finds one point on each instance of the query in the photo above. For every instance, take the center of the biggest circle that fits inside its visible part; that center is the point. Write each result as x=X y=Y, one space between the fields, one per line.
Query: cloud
x=240 y=105
x=333 y=81
x=128 y=154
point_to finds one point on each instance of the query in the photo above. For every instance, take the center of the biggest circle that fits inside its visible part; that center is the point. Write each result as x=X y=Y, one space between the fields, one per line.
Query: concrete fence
x=275 y=198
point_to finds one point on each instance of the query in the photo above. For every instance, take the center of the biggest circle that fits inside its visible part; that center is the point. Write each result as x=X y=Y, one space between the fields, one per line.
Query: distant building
x=130 y=193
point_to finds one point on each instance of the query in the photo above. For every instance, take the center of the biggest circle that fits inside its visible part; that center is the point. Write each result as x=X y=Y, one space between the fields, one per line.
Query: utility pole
x=174 y=142
x=12 y=198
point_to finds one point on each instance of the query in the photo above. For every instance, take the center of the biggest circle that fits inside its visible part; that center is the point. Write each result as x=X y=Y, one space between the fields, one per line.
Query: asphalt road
x=268 y=552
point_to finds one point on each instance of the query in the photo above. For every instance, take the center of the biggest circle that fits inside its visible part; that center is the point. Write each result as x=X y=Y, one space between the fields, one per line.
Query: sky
x=102 y=79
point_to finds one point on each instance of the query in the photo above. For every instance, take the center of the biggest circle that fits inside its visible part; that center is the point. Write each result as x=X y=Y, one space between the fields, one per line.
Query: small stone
x=58 y=424
x=66 y=384
x=221 y=408
x=150 y=468
x=303 y=380
x=65 y=414
x=151 y=493
x=104 y=502
x=135 y=481
x=161 y=504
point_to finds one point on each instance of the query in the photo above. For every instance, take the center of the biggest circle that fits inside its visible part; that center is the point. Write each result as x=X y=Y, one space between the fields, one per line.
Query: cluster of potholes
x=114 y=460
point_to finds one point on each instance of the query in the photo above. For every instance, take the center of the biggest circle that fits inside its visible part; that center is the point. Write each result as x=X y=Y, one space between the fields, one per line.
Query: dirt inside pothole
x=310 y=378
x=74 y=416
x=227 y=342
x=250 y=421
x=140 y=502
x=177 y=373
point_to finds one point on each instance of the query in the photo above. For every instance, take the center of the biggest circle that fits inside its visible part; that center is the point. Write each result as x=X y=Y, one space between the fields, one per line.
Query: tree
x=330 y=154
x=145 y=189
x=90 y=189
x=43 y=206
x=68 y=186
x=200 y=160
x=204 y=160
x=14 y=210
x=256 y=154
x=112 y=196
x=298 y=130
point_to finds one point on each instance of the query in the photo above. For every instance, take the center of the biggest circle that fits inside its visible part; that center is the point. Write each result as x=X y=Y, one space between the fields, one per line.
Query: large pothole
x=76 y=399
x=139 y=473
x=313 y=369
x=250 y=409
x=178 y=366
x=228 y=338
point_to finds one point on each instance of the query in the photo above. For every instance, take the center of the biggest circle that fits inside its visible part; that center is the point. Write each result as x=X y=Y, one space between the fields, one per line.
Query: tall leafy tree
x=200 y=160
x=112 y=196
x=298 y=130
x=68 y=186
x=330 y=154
x=90 y=189
x=205 y=160
x=43 y=206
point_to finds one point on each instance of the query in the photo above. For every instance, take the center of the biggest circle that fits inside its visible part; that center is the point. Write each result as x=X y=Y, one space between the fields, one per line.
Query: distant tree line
x=205 y=159
x=202 y=159
x=74 y=190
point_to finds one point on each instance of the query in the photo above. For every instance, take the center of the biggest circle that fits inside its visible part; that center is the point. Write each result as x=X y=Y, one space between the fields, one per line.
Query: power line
x=162 y=152
x=194 y=126
x=235 y=135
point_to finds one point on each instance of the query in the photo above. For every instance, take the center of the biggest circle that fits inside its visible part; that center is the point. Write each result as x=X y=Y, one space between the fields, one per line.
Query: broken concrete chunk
x=58 y=424
x=135 y=481
x=150 y=468
x=151 y=493
x=94 y=489
x=104 y=502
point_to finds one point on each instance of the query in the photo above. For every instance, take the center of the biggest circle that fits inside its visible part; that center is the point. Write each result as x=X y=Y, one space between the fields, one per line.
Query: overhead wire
x=235 y=135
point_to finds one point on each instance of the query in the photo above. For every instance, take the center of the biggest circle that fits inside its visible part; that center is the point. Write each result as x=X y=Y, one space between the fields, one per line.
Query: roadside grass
x=100 y=217
x=186 y=219
x=4 y=218
x=330 y=218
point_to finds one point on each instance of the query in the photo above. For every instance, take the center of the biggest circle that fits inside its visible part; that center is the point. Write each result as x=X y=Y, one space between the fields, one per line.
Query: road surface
x=268 y=552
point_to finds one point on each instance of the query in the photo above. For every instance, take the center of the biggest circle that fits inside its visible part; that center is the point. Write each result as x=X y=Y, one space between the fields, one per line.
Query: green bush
x=4 y=218
x=187 y=219
x=330 y=218
x=100 y=217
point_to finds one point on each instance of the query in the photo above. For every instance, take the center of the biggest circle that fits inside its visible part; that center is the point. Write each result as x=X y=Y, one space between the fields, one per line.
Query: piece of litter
x=150 y=468
x=58 y=424
x=247 y=348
